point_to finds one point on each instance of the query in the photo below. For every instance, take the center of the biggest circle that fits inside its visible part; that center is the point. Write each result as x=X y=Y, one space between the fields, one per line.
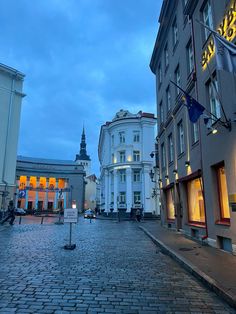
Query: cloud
x=84 y=60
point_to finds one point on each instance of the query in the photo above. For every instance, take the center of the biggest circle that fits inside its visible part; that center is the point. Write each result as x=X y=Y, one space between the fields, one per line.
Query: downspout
x=200 y=136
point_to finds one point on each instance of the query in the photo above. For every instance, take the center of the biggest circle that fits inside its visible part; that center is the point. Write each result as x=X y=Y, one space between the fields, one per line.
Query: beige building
x=197 y=160
x=11 y=84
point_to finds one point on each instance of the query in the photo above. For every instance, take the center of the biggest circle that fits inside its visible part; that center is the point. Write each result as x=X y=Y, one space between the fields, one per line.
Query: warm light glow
x=214 y=131
x=224 y=200
x=33 y=182
x=227 y=29
x=129 y=158
x=61 y=183
x=196 y=208
x=170 y=204
x=22 y=182
x=42 y=182
x=52 y=183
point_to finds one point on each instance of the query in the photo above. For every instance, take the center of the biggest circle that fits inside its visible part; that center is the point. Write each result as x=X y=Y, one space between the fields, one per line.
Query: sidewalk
x=214 y=267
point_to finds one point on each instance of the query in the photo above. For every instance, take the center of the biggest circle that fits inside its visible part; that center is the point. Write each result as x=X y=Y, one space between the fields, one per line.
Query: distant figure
x=11 y=214
x=138 y=215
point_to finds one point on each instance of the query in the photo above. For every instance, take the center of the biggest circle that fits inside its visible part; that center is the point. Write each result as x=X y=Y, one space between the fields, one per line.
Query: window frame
x=219 y=189
x=136 y=156
x=181 y=144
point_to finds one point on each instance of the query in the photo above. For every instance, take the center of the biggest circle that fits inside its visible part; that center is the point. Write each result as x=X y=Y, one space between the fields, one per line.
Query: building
x=197 y=163
x=48 y=184
x=125 y=144
x=11 y=85
x=83 y=159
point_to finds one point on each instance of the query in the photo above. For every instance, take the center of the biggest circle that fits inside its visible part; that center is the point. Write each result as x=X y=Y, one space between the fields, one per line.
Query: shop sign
x=227 y=29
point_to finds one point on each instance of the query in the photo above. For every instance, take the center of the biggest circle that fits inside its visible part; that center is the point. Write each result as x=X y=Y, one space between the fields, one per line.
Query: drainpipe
x=200 y=136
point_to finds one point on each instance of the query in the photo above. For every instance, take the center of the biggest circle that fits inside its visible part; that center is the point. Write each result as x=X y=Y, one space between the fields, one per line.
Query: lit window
x=181 y=137
x=207 y=18
x=196 y=208
x=122 y=175
x=170 y=204
x=223 y=193
x=136 y=155
x=171 y=148
x=122 y=156
x=213 y=97
x=136 y=137
x=136 y=175
x=122 y=137
x=137 y=197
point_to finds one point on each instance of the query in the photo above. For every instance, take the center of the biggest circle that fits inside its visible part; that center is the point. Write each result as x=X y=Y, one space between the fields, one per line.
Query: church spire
x=83 y=153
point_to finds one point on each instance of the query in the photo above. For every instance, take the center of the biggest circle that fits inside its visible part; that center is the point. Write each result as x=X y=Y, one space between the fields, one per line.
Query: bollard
x=42 y=220
x=20 y=220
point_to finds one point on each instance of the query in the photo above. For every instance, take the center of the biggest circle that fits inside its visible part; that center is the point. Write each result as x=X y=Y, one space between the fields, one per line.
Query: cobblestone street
x=115 y=268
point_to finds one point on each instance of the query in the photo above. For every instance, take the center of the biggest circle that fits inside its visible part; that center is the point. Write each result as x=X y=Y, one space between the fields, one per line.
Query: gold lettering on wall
x=227 y=29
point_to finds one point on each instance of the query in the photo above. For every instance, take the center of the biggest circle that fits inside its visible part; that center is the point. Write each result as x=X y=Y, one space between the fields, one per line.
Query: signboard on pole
x=70 y=215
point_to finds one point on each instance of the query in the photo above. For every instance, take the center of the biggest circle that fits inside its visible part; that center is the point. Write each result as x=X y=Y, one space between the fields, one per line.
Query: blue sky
x=84 y=60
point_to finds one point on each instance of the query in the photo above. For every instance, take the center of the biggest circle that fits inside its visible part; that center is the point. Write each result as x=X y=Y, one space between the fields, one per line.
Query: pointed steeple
x=82 y=153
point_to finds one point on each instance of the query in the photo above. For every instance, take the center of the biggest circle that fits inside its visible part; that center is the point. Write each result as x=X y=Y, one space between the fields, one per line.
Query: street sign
x=70 y=215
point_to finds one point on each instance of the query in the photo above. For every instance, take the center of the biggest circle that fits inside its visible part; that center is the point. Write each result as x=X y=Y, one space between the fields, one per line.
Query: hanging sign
x=70 y=215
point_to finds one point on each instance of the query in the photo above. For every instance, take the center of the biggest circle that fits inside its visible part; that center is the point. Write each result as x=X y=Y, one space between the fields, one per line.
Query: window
x=207 y=18
x=112 y=158
x=137 y=197
x=136 y=155
x=122 y=156
x=122 y=197
x=168 y=99
x=181 y=137
x=112 y=140
x=166 y=56
x=177 y=79
x=223 y=193
x=122 y=175
x=190 y=57
x=170 y=204
x=136 y=136
x=161 y=113
x=195 y=132
x=112 y=197
x=159 y=74
x=171 y=148
x=163 y=155
x=122 y=137
x=214 y=102
x=175 y=32
x=136 y=175
x=196 y=208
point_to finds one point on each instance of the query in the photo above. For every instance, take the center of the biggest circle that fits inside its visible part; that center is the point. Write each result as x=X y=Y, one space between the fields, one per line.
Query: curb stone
x=195 y=271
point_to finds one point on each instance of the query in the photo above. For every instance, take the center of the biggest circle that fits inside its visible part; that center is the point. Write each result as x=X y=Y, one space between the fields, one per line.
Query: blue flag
x=195 y=110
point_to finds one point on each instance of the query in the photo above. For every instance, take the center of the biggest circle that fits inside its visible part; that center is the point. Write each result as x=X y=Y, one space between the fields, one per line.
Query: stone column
x=109 y=198
x=107 y=189
x=115 y=189
x=27 y=193
x=129 y=189
x=46 y=195
x=147 y=189
x=36 y=194
x=55 y=196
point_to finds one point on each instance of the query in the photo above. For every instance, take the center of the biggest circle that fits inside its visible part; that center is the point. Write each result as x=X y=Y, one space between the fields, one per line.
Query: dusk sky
x=84 y=60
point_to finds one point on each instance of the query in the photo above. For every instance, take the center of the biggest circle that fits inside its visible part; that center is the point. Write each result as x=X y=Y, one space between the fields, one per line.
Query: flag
x=195 y=110
x=225 y=54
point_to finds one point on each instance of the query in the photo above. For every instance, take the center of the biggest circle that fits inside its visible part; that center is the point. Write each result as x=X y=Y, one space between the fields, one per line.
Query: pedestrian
x=138 y=215
x=10 y=214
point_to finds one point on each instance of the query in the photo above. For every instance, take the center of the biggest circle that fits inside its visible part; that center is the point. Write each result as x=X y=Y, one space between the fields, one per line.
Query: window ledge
x=223 y=222
x=195 y=224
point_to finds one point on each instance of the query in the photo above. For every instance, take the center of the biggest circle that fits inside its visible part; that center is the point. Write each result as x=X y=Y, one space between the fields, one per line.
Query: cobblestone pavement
x=115 y=268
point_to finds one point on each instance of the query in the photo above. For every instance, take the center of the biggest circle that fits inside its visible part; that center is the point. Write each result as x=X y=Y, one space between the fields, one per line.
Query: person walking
x=138 y=215
x=11 y=213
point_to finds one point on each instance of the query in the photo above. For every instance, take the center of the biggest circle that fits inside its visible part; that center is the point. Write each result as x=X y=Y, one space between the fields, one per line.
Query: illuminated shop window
x=52 y=183
x=223 y=193
x=170 y=204
x=22 y=182
x=196 y=210
x=42 y=183
x=33 y=182
x=61 y=183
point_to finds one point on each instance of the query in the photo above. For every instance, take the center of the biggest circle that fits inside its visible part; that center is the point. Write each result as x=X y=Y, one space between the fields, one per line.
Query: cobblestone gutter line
x=195 y=271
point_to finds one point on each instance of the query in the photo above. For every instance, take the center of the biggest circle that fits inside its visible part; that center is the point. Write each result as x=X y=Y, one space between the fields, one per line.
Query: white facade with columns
x=124 y=150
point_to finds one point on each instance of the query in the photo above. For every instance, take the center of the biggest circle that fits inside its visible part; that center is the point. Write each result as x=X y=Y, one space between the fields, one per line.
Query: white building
x=124 y=150
x=11 y=84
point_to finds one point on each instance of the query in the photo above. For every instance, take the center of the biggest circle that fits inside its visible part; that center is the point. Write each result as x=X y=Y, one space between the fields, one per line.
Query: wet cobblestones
x=115 y=268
